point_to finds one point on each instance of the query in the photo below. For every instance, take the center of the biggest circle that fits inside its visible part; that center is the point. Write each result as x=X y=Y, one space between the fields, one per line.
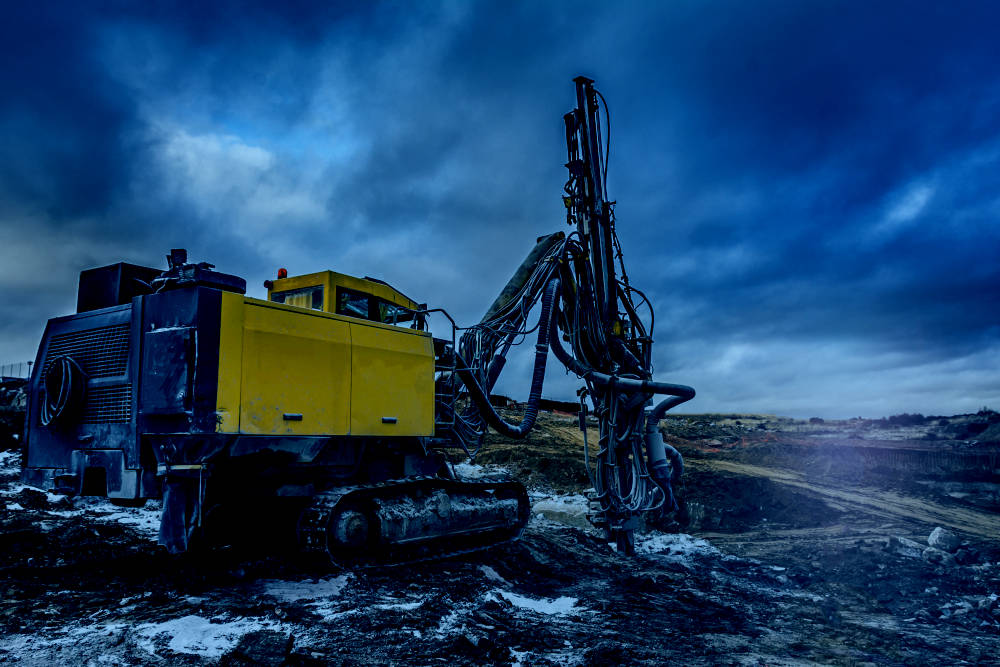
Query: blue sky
x=809 y=192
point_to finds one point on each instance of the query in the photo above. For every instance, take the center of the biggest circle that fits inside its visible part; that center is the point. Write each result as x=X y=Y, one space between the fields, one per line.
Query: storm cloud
x=807 y=191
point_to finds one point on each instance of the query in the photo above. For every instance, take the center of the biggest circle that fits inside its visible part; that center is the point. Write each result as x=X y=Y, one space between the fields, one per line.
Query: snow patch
x=21 y=645
x=563 y=658
x=321 y=596
x=209 y=638
x=10 y=461
x=568 y=510
x=15 y=489
x=492 y=574
x=399 y=606
x=449 y=624
x=295 y=591
x=468 y=470
x=674 y=547
x=558 y=606
x=574 y=502
x=145 y=520
x=133 y=598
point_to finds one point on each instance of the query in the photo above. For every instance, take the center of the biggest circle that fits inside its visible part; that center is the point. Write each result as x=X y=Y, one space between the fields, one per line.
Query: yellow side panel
x=230 y=364
x=294 y=363
x=392 y=390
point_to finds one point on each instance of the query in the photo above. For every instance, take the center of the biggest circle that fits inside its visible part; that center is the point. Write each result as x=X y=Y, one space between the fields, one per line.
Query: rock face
x=944 y=540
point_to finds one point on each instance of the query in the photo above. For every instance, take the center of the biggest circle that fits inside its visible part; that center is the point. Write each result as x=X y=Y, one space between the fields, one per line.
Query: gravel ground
x=795 y=575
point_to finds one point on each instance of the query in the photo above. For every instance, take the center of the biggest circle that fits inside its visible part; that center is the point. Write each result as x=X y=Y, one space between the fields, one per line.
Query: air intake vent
x=101 y=352
x=108 y=405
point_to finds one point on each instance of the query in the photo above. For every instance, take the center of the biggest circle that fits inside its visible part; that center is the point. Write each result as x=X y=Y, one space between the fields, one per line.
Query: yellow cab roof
x=330 y=280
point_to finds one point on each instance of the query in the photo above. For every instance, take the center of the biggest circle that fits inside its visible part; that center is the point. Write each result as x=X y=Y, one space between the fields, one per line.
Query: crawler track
x=412 y=520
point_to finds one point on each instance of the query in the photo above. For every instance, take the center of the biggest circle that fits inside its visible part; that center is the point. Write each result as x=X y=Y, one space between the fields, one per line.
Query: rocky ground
x=798 y=543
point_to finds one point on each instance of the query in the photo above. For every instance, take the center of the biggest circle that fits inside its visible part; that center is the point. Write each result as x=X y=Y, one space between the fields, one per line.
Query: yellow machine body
x=295 y=370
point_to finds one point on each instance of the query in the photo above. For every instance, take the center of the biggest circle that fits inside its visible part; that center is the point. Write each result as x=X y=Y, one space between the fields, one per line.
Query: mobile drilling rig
x=331 y=399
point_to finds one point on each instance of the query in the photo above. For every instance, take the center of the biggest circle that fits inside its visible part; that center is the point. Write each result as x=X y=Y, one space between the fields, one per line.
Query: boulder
x=944 y=540
x=989 y=603
x=932 y=555
x=967 y=556
x=32 y=499
x=905 y=547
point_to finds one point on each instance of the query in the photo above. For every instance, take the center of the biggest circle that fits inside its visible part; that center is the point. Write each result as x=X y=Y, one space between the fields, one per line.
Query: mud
x=772 y=561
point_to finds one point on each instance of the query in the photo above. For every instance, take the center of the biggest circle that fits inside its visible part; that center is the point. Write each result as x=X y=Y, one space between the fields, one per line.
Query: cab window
x=374 y=309
x=353 y=304
x=390 y=313
x=305 y=297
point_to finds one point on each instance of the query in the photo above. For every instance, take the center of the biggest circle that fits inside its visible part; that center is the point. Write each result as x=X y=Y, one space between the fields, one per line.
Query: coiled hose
x=64 y=387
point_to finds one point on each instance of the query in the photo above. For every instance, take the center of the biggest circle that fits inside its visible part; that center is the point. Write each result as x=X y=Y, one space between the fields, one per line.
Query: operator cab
x=331 y=292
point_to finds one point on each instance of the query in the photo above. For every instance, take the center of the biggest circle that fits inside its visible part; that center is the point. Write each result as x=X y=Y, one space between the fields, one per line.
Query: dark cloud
x=61 y=128
x=805 y=189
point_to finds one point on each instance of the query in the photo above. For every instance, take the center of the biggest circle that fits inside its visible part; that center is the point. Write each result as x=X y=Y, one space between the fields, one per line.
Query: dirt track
x=873 y=501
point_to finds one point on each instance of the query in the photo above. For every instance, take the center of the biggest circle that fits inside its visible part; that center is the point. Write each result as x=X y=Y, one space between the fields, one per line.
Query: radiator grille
x=101 y=352
x=107 y=405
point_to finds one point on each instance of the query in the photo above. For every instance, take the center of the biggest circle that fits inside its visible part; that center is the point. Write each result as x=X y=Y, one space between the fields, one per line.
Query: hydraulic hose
x=482 y=400
x=679 y=392
x=654 y=439
x=654 y=415
x=548 y=336
x=665 y=463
